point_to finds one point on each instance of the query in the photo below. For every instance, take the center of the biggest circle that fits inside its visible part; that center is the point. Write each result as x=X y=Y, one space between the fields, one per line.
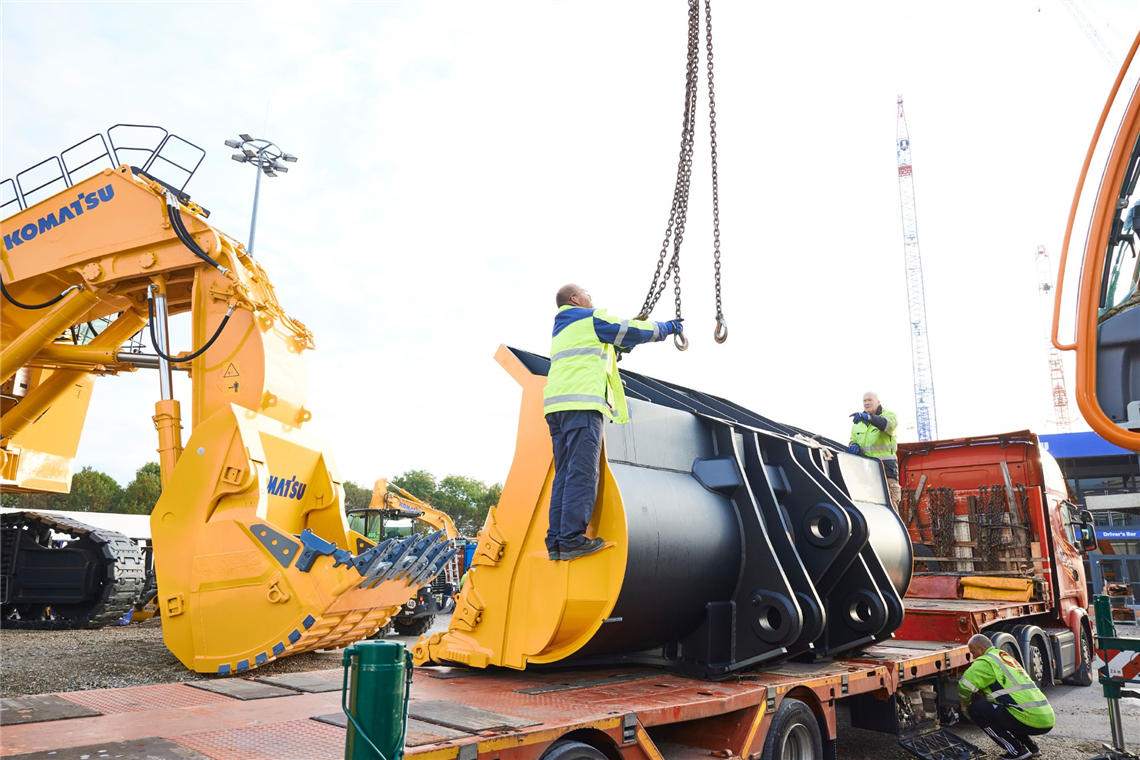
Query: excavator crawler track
x=95 y=577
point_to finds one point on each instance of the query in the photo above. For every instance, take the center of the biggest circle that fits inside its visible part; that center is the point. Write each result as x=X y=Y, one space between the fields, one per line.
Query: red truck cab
x=998 y=549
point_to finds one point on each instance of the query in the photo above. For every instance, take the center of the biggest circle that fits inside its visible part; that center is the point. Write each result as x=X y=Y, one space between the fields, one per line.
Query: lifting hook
x=680 y=341
x=720 y=334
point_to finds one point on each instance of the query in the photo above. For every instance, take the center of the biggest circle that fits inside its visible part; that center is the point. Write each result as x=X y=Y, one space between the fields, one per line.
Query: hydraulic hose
x=196 y=354
x=175 y=213
x=44 y=305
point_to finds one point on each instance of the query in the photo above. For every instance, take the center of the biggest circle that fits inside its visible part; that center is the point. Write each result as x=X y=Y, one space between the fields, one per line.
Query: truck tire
x=794 y=734
x=1084 y=674
x=1035 y=663
x=570 y=750
x=414 y=627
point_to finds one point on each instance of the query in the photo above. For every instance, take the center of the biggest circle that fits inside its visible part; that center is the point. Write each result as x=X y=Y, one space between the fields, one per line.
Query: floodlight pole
x=265 y=155
x=256 y=194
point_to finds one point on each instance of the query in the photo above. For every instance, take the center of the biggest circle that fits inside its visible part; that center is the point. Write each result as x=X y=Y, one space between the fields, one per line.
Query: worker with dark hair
x=1014 y=709
x=873 y=435
x=582 y=389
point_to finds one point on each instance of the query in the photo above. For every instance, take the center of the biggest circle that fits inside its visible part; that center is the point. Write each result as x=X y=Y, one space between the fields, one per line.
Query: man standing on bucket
x=583 y=388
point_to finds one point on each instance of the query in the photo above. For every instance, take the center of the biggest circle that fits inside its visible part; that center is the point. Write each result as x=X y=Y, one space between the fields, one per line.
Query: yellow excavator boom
x=384 y=498
x=253 y=556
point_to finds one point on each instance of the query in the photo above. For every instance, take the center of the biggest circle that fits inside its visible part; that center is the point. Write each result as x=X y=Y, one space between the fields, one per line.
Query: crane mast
x=925 y=414
x=1056 y=367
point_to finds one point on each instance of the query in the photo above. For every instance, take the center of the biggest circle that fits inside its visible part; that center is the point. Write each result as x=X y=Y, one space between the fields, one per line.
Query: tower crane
x=1056 y=366
x=927 y=418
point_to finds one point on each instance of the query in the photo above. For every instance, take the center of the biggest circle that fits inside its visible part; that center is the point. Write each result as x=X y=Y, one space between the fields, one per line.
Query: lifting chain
x=678 y=212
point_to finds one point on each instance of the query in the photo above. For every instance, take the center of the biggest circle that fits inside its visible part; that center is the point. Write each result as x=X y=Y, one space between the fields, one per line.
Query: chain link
x=720 y=334
x=678 y=211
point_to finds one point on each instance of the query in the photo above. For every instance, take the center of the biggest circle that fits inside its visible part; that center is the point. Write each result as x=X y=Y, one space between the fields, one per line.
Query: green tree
x=356 y=497
x=34 y=501
x=141 y=494
x=419 y=483
x=93 y=491
x=467 y=501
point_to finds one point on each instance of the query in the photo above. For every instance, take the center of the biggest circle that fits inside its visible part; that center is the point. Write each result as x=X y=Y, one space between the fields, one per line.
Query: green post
x=375 y=699
x=1102 y=606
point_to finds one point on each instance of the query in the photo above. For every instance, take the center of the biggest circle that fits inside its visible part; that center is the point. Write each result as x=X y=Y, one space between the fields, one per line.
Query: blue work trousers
x=577 y=437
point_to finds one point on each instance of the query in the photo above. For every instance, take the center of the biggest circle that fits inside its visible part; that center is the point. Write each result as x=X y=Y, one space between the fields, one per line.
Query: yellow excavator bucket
x=731 y=540
x=253 y=571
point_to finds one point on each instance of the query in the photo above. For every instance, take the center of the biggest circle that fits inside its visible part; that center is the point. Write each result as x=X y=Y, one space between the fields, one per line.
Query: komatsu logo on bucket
x=86 y=202
x=290 y=489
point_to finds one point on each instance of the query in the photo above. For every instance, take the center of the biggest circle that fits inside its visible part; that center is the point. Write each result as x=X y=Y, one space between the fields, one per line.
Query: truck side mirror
x=1088 y=533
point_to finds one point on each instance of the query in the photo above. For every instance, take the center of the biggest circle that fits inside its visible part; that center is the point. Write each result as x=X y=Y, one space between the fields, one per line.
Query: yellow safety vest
x=875 y=442
x=583 y=368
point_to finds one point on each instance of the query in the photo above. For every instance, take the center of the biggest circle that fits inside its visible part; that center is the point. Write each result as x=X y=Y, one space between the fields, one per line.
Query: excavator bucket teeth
x=436 y=567
x=437 y=545
x=413 y=556
x=366 y=559
x=730 y=540
x=425 y=569
x=249 y=565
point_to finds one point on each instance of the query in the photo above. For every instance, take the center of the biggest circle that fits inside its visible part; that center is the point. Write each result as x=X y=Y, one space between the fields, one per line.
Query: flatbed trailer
x=652 y=715
x=464 y=714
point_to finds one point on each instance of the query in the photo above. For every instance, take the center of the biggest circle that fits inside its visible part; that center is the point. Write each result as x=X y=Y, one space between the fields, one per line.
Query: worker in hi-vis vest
x=873 y=434
x=1014 y=709
x=582 y=389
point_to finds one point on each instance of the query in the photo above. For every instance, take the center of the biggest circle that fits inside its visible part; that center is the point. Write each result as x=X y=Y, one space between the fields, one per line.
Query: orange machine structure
x=1107 y=343
x=247 y=530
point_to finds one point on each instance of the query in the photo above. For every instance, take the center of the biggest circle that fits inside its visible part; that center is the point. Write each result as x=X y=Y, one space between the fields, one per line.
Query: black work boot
x=582 y=550
x=554 y=555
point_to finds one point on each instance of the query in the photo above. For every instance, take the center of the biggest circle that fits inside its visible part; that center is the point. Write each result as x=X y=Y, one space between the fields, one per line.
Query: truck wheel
x=794 y=733
x=1084 y=674
x=414 y=627
x=568 y=750
x=1035 y=663
x=382 y=631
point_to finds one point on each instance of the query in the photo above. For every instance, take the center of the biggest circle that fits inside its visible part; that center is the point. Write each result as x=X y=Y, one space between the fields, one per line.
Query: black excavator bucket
x=732 y=540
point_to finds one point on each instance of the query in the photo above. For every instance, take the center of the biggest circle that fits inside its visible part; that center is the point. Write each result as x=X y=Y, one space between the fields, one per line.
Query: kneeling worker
x=1014 y=709
x=582 y=386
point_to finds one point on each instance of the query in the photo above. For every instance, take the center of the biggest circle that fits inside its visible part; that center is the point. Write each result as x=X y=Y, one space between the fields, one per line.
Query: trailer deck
x=460 y=713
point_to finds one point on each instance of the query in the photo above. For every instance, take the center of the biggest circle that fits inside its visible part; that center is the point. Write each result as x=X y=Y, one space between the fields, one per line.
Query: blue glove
x=854 y=449
x=674 y=326
x=860 y=417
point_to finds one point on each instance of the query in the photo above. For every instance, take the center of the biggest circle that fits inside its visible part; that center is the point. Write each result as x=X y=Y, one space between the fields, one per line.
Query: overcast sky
x=460 y=161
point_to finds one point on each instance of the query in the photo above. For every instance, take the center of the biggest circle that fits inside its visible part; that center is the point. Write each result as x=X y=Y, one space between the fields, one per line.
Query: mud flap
x=936 y=743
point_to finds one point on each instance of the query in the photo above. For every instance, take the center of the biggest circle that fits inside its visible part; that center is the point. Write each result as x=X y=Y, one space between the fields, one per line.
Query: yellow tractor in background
x=393 y=513
x=253 y=556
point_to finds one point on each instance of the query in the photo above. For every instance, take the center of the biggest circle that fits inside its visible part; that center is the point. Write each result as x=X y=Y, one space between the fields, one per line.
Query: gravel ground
x=41 y=662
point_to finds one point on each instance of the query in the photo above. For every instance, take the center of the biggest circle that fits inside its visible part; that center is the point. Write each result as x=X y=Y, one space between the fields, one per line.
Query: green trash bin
x=377 y=685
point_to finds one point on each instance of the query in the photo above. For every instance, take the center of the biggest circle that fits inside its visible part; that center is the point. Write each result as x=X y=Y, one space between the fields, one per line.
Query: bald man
x=582 y=390
x=1014 y=709
x=873 y=434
